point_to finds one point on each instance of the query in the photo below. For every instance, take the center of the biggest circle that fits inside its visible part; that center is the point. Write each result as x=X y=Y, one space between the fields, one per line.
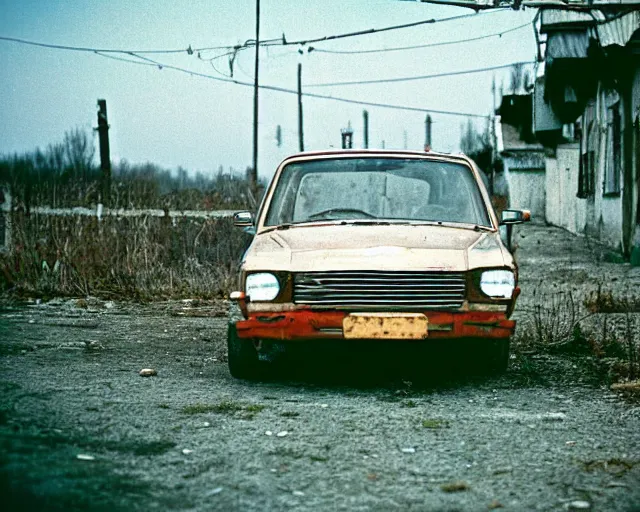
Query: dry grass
x=604 y=325
x=139 y=258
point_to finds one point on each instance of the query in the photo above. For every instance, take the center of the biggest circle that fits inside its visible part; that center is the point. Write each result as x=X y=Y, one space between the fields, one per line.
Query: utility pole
x=253 y=182
x=405 y=139
x=105 y=159
x=365 y=118
x=427 y=135
x=347 y=137
x=279 y=136
x=300 y=124
x=494 y=141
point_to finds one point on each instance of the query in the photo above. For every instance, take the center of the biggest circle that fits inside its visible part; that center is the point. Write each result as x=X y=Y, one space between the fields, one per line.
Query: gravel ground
x=81 y=429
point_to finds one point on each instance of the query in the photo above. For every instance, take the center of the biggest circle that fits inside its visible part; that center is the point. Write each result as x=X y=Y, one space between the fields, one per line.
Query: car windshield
x=372 y=189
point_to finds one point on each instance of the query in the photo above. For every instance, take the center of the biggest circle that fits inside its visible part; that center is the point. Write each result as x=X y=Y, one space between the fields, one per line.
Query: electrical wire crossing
x=426 y=45
x=187 y=50
x=420 y=77
x=302 y=42
x=247 y=44
x=274 y=88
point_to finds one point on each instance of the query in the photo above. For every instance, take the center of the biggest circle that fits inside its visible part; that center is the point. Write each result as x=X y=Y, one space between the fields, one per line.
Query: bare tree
x=79 y=152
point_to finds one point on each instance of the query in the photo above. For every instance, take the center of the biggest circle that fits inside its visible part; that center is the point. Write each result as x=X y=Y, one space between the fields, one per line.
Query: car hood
x=383 y=247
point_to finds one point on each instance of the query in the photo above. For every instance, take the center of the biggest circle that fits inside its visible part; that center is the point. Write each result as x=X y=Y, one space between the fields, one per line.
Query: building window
x=587 y=173
x=613 y=164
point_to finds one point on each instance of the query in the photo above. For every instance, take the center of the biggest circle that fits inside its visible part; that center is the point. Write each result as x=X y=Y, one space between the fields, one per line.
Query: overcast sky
x=175 y=119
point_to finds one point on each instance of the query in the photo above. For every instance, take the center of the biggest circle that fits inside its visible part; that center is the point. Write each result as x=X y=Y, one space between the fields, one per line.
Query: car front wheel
x=497 y=355
x=242 y=356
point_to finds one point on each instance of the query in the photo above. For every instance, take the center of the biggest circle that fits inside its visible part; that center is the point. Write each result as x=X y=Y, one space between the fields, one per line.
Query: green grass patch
x=434 y=423
x=225 y=407
x=455 y=487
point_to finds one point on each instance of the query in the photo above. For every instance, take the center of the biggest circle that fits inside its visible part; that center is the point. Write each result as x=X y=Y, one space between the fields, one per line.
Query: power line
x=307 y=94
x=247 y=44
x=427 y=45
x=188 y=50
x=122 y=59
x=384 y=29
x=421 y=77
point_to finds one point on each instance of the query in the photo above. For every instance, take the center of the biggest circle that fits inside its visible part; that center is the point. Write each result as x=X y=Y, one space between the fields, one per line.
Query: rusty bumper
x=309 y=324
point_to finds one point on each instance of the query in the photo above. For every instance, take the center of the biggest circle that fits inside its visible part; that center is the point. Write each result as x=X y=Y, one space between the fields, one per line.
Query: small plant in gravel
x=604 y=301
x=225 y=407
x=409 y=404
x=615 y=466
x=435 y=423
x=455 y=487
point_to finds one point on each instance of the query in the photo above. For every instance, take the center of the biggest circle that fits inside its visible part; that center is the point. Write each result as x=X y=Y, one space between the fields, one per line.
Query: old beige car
x=374 y=245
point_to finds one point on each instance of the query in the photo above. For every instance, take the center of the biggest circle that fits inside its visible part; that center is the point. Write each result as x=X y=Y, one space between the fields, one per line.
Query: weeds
x=614 y=466
x=140 y=258
x=225 y=407
x=603 y=326
x=435 y=423
x=604 y=301
x=455 y=487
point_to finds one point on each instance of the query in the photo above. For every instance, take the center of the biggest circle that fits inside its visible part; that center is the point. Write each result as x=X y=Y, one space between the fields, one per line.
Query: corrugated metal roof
x=618 y=31
x=556 y=19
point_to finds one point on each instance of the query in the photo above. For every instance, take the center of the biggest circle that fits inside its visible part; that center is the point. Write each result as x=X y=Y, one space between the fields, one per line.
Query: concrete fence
x=99 y=212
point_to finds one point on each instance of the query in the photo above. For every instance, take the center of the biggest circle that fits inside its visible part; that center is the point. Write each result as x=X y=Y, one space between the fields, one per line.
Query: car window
x=376 y=188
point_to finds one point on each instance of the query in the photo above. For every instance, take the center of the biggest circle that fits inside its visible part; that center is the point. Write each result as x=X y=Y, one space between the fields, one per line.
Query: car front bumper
x=301 y=324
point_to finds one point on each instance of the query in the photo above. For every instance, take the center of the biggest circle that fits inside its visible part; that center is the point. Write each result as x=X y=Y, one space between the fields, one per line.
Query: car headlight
x=262 y=286
x=498 y=283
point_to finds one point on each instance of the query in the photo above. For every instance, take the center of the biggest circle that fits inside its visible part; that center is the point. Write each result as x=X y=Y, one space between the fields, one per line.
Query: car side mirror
x=243 y=219
x=514 y=217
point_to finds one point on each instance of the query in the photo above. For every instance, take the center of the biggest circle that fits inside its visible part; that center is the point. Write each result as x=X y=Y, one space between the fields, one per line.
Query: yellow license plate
x=389 y=326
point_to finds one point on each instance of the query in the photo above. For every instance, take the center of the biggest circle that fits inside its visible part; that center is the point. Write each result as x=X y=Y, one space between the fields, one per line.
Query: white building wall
x=606 y=219
x=526 y=190
x=563 y=208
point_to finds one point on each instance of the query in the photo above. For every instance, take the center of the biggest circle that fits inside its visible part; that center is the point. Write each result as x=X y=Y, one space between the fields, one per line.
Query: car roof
x=394 y=153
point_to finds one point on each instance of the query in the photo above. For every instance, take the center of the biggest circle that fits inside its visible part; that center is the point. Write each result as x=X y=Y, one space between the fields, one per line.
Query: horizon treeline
x=65 y=174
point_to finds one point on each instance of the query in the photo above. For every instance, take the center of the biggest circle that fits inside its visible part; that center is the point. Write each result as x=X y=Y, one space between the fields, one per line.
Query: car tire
x=497 y=353
x=242 y=356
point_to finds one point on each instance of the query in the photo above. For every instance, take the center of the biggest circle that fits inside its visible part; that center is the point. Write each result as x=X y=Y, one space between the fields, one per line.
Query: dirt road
x=81 y=429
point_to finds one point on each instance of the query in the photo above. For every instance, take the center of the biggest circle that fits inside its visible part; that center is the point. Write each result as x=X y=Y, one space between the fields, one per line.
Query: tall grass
x=122 y=257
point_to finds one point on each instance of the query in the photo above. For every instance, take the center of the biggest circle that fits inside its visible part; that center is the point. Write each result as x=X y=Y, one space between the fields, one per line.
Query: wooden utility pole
x=105 y=159
x=427 y=135
x=253 y=183
x=365 y=118
x=300 y=124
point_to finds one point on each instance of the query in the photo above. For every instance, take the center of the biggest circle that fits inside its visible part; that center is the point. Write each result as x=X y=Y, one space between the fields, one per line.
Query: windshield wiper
x=481 y=228
x=279 y=227
x=366 y=222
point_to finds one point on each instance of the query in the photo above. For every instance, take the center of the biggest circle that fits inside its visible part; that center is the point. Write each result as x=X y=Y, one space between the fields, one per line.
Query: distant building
x=522 y=156
x=587 y=116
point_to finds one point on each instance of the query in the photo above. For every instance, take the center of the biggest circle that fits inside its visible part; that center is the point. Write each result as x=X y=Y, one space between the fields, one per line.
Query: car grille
x=374 y=289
